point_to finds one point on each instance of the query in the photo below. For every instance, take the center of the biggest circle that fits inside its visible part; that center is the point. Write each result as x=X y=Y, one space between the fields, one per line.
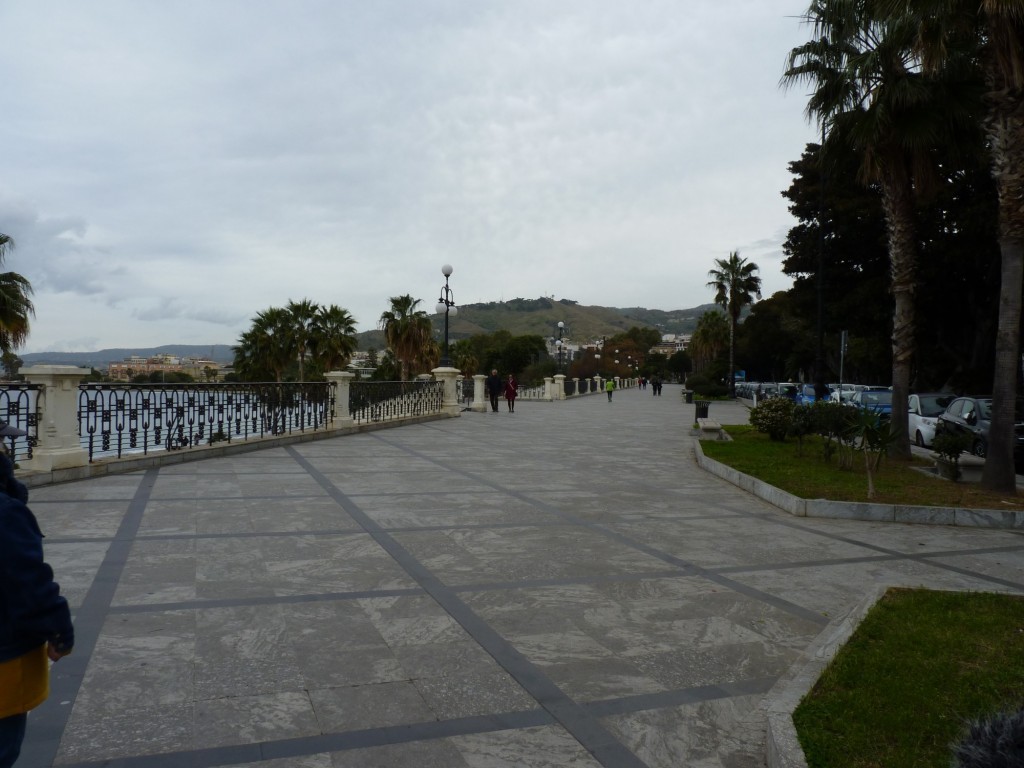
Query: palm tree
x=301 y=328
x=265 y=349
x=407 y=331
x=995 y=28
x=334 y=338
x=735 y=286
x=15 y=305
x=870 y=94
x=709 y=338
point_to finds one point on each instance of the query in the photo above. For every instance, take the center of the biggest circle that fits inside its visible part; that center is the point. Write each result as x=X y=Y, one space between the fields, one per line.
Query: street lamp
x=558 y=344
x=446 y=304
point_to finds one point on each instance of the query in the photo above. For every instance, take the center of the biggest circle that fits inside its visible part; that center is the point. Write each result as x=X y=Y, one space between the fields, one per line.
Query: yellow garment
x=24 y=682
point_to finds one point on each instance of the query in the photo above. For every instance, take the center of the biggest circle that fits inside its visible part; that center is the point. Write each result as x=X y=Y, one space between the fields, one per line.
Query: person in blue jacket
x=35 y=621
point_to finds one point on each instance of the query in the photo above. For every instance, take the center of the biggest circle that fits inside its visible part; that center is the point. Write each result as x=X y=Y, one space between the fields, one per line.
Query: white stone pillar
x=549 y=388
x=559 y=386
x=450 y=406
x=341 y=381
x=58 y=445
x=479 y=397
x=576 y=387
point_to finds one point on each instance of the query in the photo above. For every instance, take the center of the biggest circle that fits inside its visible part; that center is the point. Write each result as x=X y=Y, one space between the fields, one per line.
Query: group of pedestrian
x=497 y=388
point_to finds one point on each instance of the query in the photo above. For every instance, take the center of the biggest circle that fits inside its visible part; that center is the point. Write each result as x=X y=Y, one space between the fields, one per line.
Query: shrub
x=993 y=741
x=706 y=387
x=773 y=417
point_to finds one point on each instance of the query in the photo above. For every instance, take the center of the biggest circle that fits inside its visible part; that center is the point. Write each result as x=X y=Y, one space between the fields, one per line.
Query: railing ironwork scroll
x=115 y=419
x=19 y=407
x=371 y=401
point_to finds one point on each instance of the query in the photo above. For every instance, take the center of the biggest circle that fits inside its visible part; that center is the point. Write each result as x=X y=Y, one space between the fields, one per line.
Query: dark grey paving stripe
x=605 y=748
x=796 y=564
x=241 y=602
x=682 y=697
x=919 y=557
x=329 y=742
x=689 y=568
x=49 y=721
x=623 y=578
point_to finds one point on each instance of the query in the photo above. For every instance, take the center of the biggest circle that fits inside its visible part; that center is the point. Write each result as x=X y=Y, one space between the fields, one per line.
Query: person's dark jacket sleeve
x=32 y=610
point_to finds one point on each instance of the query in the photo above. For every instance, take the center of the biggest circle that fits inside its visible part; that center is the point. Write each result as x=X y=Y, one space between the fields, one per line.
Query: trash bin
x=702 y=409
x=688 y=394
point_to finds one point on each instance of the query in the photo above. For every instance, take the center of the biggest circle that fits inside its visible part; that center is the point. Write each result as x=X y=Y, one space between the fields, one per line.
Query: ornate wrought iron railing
x=115 y=419
x=19 y=407
x=371 y=401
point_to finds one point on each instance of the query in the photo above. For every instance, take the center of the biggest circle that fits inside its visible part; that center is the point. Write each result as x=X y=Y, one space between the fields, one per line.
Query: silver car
x=923 y=414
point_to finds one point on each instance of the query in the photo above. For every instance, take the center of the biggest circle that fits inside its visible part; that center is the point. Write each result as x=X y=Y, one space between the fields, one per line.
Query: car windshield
x=876 y=398
x=933 y=405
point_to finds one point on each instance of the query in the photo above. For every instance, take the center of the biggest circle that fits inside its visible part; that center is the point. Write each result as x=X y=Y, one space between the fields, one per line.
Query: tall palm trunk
x=898 y=204
x=1005 y=129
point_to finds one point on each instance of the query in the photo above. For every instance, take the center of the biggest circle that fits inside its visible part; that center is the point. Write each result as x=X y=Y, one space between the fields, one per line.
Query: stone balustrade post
x=559 y=386
x=58 y=445
x=341 y=381
x=576 y=387
x=450 y=406
x=600 y=383
x=479 y=397
x=549 y=388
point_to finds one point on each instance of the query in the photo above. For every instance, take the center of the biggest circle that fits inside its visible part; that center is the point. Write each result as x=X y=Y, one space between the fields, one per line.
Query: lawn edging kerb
x=782 y=746
x=850 y=510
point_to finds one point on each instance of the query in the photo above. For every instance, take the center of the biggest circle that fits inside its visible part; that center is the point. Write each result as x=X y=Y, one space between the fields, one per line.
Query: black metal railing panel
x=19 y=407
x=570 y=387
x=119 y=419
x=371 y=401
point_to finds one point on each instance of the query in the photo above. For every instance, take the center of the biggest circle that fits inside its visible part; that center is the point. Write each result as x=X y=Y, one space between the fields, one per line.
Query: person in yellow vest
x=35 y=621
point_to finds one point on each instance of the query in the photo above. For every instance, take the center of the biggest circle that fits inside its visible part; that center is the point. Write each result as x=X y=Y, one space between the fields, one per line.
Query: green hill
x=541 y=316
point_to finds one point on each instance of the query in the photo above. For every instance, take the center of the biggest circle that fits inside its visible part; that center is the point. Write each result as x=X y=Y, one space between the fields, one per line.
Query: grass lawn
x=922 y=663
x=809 y=476
x=918 y=667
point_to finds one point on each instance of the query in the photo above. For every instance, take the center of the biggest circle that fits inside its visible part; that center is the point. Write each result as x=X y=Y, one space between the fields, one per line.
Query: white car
x=923 y=413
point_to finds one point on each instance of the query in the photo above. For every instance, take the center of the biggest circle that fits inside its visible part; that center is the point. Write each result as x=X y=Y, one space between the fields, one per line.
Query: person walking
x=609 y=387
x=511 y=390
x=494 y=388
x=35 y=621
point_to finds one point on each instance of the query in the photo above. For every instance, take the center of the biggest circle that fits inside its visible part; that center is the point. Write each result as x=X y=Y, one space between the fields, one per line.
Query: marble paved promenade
x=561 y=586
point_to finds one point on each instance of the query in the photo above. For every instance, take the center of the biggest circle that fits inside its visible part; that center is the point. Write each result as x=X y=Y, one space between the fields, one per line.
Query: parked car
x=788 y=389
x=876 y=400
x=808 y=395
x=923 y=411
x=841 y=393
x=972 y=416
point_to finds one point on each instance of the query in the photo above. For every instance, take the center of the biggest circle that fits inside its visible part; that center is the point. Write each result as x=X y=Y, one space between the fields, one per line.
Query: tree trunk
x=1005 y=127
x=898 y=203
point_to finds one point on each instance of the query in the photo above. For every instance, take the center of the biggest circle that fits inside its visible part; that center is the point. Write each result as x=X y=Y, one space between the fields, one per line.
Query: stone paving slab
x=559 y=586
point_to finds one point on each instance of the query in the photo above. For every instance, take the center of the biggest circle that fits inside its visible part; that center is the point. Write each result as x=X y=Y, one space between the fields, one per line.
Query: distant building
x=136 y=365
x=670 y=344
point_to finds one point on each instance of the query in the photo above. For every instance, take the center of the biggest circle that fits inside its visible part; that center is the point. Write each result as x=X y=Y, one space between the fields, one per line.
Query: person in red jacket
x=35 y=621
x=511 y=390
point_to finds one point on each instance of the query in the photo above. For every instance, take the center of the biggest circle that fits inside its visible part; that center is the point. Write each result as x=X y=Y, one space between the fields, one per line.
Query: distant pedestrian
x=494 y=388
x=35 y=622
x=609 y=387
x=511 y=390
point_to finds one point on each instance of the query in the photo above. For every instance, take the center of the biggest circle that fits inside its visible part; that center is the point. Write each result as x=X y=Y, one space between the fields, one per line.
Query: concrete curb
x=782 y=747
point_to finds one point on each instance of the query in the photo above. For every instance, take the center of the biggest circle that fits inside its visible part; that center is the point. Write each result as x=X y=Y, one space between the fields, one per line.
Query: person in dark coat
x=495 y=388
x=35 y=621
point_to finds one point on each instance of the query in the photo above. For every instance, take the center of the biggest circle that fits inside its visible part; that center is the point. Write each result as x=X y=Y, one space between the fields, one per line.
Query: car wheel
x=978 y=449
x=919 y=439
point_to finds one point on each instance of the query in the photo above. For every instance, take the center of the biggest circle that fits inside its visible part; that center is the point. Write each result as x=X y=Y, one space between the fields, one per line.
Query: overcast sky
x=171 y=167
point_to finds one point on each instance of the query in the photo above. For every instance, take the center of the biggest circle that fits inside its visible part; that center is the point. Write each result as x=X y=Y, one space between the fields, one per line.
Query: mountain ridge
x=519 y=317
